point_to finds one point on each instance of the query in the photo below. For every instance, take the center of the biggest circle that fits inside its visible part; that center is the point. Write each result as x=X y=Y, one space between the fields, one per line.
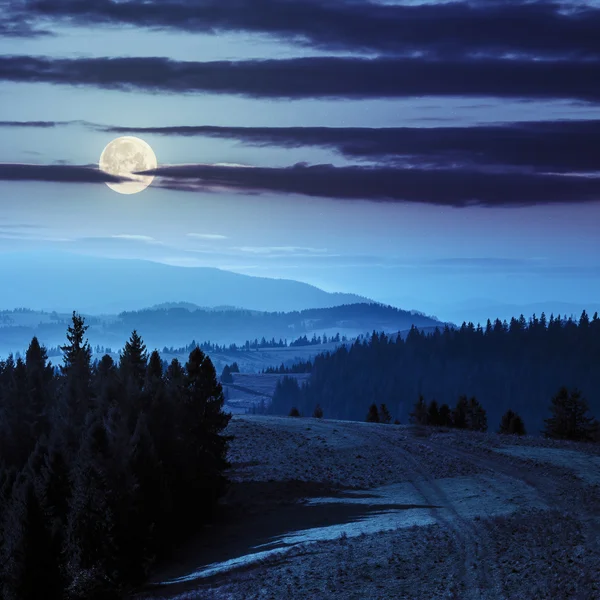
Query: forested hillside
x=178 y=326
x=518 y=365
x=103 y=467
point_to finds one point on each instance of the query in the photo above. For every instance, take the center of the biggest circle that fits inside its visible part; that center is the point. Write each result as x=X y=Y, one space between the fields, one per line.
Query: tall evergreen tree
x=459 y=414
x=32 y=566
x=476 y=418
x=419 y=414
x=384 y=414
x=433 y=414
x=134 y=361
x=511 y=424
x=569 y=420
x=445 y=416
x=373 y=414
x=77 y=375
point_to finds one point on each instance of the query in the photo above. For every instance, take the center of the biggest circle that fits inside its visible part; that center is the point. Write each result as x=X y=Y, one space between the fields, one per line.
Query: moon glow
x=125 y=156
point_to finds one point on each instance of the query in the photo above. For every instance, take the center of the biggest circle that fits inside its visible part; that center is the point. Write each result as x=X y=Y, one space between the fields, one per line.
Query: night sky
x=421 y=154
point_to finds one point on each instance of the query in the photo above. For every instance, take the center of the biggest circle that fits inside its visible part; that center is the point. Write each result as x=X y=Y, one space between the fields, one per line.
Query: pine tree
x=476 y=418
x=294 y=412
x=89 y=537
x=318 y=412
x=445 y=415
x=512 y=424
x=459 y=414
x=133 y=362
x=373 y=414
x=40 y=379
x=77 y=374
x=419 y=414
x=201 y=425
x=32 y=565
x=433 y=414
x=384 y=414
x=569 y=420
x=226 y=376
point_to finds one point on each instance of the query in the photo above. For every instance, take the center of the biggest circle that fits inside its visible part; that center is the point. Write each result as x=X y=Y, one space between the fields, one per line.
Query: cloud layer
x=319 y=77
x=541 y=28
x=56 y=173
x=449 y=187
x=562 y=146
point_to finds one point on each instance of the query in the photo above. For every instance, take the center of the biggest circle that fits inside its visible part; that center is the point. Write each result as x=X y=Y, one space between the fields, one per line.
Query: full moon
x=124 y=157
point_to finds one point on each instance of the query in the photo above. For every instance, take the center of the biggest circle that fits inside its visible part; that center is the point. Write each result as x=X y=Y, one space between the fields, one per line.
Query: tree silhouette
x=226 y=376
x=133 y=361
x=384 y=414
x=294 y=412
x=373 y=414
x=476 y=418
x=512 y=424
x=433 y=414
x=459 y=414
x=569 y=420
x=318 y=412
x=419 y=414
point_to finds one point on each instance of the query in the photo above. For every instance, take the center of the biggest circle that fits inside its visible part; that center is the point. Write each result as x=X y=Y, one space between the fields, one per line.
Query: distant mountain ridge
x=179 y=326
x=65 y=282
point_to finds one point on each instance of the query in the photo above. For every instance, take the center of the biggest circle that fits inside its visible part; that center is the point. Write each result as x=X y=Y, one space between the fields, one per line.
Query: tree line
x=517 y=365
x=104 y=466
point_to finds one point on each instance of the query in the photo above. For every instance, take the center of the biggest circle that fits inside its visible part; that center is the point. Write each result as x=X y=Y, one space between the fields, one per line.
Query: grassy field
x=346 y=510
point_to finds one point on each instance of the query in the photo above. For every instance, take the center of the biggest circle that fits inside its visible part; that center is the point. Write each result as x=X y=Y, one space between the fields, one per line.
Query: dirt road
x=335 y=509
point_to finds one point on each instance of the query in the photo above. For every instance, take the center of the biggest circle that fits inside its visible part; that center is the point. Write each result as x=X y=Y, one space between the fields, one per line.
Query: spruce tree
x=476 y=418
x=133 y=361
x=459 y=414
x=31 y=564
x=40 y=379
x=419 y=414
x=318 y=412
x=512 y=424
x=433 y=414
x=77 y=376
x=226 y=376
x=201 y=425
x=569 y=420
x=384 y=414
x=294 y=412
x=373 y=414
x=445 y=416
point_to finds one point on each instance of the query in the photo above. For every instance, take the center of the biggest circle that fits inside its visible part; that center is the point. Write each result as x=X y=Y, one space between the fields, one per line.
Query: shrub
x=318 y=412
x=294 y=412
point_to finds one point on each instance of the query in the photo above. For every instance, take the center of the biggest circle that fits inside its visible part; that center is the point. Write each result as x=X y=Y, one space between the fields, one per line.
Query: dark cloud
x=489 y=26
x=34 y=124
x=16 y=20
x=450 y=187
x=560 y=145
x=319 y=76
x=56 y=173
